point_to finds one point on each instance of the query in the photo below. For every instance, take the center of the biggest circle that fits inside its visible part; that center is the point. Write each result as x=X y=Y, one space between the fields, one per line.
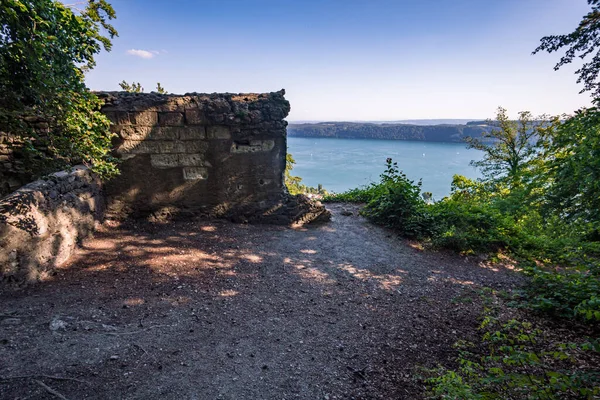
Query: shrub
x=358 y=195
x=395 y=202
x=492 y=216
x=515 y=360
x=470 y=226
x=564 y=292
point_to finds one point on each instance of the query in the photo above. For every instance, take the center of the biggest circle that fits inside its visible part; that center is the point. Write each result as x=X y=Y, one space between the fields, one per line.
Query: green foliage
x=357 y=195
x=543 y=211
x=133 y=87
x=394 y=201
x=572 y=292
x=580 y=43
x=510 y=148
x=468 y=226
x=136 y=87
x=562 y=263
x=575 y=169
x=372 y=192
x=398 y=204
x=160 y=89
x=45 y=48
x=515 y=360
x=294 y=183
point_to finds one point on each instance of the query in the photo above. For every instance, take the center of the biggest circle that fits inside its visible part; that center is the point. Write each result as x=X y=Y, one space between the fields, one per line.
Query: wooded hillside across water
x=354 y=130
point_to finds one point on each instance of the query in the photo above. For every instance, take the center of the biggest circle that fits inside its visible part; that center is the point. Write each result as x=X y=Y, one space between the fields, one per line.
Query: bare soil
x=216 y=310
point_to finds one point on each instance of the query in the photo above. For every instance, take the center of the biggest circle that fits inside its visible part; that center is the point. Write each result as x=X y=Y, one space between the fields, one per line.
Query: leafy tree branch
x=45 y=49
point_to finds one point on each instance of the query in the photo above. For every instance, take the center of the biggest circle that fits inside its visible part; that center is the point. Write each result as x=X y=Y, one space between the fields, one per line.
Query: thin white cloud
x=142 y=53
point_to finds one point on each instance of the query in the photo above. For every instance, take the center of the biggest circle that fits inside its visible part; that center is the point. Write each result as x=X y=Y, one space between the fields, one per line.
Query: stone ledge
x=199 y=108
x=291 y=210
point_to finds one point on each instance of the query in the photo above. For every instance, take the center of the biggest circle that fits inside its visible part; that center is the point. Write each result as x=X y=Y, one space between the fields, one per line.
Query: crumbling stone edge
x=42 y=223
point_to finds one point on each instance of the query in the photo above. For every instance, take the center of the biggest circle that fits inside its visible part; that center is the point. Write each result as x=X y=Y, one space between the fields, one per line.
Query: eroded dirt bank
x=214 y=310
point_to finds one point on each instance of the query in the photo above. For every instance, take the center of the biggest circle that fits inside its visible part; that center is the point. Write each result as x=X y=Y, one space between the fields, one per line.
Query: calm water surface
x=342 y=164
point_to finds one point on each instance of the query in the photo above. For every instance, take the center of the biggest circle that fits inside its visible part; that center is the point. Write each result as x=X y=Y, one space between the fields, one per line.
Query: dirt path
x=214 y=310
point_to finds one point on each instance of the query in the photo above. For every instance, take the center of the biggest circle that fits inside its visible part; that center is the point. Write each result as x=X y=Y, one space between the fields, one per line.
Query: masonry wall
x=9 y=174
x=42 y=222
x=13 y=171
x=213 y=154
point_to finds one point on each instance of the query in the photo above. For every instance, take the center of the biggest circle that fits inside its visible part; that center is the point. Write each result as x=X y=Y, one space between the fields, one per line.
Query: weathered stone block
x=164 y=160
x=161 y=147
x=165 y=133
x=118 y=117
x=192 y=133
x=195 y=173
x=170 y=119
x=144 y=118
x=137 y=147
x=133 y=132
x=219 y=106
x=195 y=146
x=218 y=132
x=169 y=147
x=130 y=132
x=191 y=160
x=195 y=117
x=172 y=104
x=253 y=146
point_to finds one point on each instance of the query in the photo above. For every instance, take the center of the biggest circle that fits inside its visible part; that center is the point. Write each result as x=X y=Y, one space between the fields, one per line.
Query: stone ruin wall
x=13 y=171
x=9 y=171
x=212 y=154
x=182 y=156
x=42 y=222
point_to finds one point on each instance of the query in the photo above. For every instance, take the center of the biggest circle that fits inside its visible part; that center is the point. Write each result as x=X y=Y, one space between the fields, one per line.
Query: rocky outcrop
x=291 y=210
x=42 y=222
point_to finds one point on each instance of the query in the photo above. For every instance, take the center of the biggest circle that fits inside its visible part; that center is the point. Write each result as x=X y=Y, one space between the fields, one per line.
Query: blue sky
x=351 y=60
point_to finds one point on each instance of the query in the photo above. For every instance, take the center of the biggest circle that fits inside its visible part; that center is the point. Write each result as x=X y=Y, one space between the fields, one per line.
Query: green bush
x=564 y=292
x=469 y=226
x=394 y=201
x=492 y=216
x=397 y=204
x=515 y=360
x=358 y=195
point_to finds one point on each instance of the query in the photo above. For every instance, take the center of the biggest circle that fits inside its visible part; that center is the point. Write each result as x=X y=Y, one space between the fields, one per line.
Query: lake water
x=342 y=164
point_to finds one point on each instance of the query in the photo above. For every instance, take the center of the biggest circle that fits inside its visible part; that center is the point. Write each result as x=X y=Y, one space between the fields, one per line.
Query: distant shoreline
x=382 y=139
x=444 y=133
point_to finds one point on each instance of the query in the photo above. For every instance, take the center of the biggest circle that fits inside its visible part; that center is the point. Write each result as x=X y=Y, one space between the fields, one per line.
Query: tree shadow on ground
x=210 y=308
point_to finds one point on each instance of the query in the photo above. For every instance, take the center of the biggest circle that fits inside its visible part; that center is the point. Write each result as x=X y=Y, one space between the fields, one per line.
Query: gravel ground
x=215 y=310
